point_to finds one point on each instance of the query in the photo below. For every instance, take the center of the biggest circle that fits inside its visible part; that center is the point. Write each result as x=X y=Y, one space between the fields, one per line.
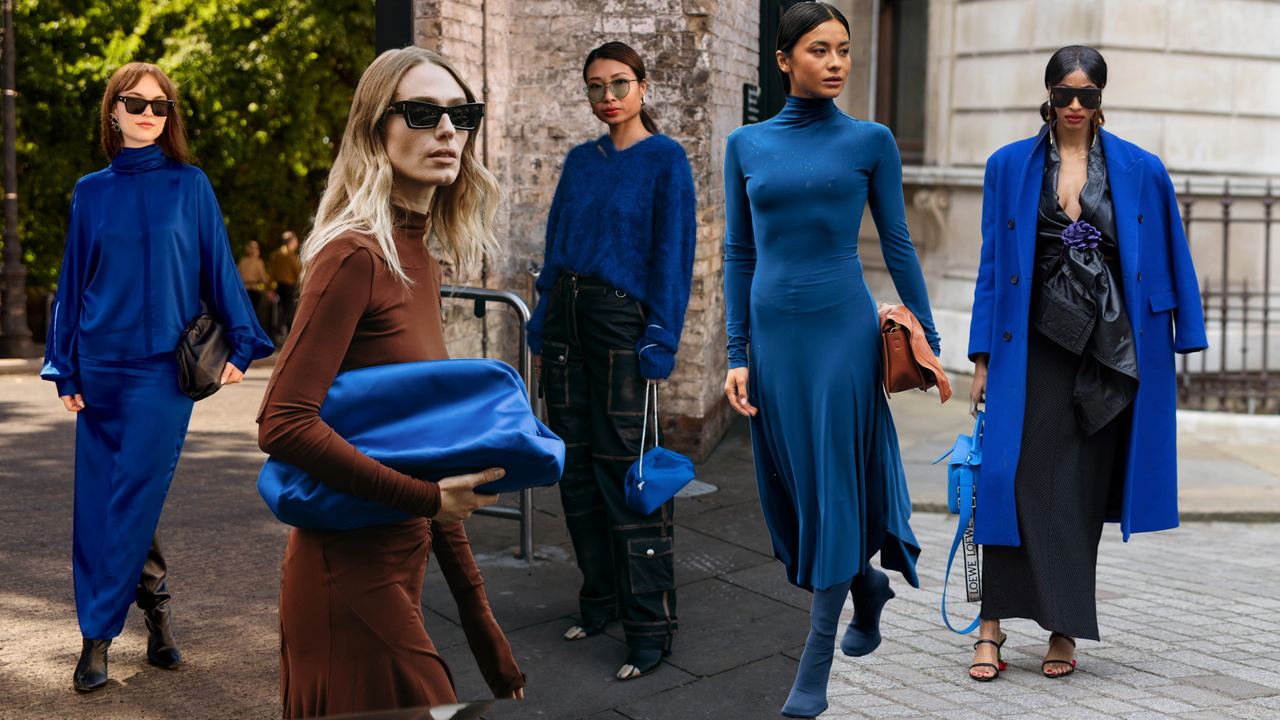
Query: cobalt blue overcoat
x=1161 y=296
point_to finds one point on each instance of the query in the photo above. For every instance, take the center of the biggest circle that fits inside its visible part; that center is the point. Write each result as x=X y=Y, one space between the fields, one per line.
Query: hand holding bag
x=431 y=420
x=203 y=351
x=659 y=474
x=906 y=360
x=962 y=482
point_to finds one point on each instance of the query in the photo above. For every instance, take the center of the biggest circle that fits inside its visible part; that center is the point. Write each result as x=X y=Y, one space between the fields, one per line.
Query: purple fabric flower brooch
x=1080 y=235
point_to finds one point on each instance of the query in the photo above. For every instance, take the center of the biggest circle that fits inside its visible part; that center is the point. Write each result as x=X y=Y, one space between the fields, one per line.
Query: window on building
x=772 y=96
x=900 y=73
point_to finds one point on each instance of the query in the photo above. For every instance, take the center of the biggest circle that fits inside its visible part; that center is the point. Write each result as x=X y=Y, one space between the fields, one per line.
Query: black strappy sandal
x=999 y=664
x=1071 y=662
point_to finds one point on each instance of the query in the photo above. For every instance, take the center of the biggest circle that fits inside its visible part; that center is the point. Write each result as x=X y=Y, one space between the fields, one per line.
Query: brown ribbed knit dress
x=351 y=626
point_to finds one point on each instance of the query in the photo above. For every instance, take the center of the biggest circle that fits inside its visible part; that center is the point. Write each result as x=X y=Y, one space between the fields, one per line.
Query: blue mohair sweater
x=628 y=218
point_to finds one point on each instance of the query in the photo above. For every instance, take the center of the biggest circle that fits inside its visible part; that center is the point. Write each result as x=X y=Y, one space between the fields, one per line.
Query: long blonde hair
x=359 y=193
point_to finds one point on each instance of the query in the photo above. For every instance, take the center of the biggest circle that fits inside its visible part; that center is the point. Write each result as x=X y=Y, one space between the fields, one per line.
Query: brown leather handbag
x=907 y=361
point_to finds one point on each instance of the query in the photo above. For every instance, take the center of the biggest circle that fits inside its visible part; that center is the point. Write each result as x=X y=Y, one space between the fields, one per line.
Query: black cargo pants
x=595 y=402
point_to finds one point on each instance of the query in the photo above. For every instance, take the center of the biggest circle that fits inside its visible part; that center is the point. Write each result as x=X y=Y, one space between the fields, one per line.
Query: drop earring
x=115 y=124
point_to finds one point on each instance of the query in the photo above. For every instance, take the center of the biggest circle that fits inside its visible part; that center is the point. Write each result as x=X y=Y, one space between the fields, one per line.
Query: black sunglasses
x=136 y=105
x=1090 y=98
x=424 y=115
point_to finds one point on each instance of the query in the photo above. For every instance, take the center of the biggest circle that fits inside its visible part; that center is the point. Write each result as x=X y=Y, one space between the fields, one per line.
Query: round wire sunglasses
x=424 y=115
x=620 y=89
x=136 y=105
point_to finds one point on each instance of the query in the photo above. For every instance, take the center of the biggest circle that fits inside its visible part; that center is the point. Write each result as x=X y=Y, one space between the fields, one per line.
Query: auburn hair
x=173 y=138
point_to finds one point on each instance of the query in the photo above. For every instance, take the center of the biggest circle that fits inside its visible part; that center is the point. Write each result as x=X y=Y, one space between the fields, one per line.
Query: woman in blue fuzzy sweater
x=614 y=287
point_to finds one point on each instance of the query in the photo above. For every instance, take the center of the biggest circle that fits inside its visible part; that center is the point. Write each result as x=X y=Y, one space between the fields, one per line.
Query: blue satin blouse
x=145 y=244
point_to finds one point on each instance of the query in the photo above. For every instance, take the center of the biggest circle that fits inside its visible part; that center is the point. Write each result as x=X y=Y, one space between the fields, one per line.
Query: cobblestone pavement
x=1190 y=627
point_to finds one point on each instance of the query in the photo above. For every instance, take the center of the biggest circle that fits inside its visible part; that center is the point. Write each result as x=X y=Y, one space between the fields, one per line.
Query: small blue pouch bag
x=431 y=420
x=659 y=474
x=962 y=483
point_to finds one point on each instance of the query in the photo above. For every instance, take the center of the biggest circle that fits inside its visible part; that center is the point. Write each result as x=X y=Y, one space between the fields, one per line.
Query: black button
x=1008 y=337
x=1139 y=217
x=1010 y=224
x=1015 y=279
x=1139 y=277
x=1139 y=333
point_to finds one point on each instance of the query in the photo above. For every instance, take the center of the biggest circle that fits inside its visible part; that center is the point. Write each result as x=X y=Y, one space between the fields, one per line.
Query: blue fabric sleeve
x=225 y=290
x=675 y=243
x=550 y=271
x=889 y=211
x=739 y=257
x=984 y=292
x=61 y=364
x=1188 y=317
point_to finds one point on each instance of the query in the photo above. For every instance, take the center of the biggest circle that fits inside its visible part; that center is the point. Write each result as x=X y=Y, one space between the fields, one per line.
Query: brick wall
x=698 y=53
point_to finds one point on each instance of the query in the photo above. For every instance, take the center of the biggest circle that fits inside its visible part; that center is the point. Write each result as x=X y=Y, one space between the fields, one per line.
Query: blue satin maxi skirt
x=128 y=438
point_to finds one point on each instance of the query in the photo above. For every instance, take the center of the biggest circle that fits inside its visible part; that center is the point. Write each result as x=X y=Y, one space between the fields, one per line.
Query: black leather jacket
x=1079 y=298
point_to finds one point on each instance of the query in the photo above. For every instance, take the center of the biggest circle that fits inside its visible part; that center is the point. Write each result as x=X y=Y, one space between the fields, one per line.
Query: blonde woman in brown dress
x=351 y=632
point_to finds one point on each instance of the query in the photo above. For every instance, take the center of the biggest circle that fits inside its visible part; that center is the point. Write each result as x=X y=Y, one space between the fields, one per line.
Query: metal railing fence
x=1238 y=370
x=483 y=296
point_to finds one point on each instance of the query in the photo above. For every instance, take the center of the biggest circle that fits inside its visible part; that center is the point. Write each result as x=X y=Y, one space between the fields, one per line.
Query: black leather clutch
x=203 y=351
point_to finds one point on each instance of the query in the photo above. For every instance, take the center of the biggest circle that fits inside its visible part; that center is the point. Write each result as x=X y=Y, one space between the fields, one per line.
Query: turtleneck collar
x=406 y=219
x=136 y=160
x=804 y=111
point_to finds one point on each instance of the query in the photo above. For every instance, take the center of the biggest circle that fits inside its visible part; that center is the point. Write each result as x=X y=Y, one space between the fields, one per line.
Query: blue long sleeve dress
x=145 y=244
x=827 y=460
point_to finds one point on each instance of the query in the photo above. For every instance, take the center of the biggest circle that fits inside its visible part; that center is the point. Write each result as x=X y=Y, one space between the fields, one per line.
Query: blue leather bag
x=962 y=482
x=430 y=420
x=659 y=474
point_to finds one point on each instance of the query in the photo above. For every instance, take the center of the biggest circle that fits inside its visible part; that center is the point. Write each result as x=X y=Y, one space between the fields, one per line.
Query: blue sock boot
x=809 y=694
x=870 y=593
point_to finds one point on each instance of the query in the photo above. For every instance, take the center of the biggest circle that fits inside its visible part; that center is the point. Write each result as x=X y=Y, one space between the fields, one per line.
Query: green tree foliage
x=265 y=89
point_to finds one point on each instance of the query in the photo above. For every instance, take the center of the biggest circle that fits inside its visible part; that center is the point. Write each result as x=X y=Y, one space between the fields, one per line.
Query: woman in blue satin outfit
x=145 y=245
x=804 y=341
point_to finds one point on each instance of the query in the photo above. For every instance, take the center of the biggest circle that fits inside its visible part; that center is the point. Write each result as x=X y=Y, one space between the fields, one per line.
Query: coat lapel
x=1029 y=205
x=1124 y=173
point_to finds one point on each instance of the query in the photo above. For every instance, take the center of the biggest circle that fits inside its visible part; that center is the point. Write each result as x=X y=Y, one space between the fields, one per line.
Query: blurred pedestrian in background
x=614 y=287
x=804 y=339
x=351 y=625
x=257 y=281
x=285 y=270
x=145 y=246
x=1085 y=292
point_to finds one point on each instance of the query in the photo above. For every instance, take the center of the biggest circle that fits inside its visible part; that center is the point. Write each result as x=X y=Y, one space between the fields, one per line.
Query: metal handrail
x=483 y=296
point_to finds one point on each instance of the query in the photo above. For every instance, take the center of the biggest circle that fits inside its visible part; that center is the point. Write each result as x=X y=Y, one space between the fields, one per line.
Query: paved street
x=1190 y=617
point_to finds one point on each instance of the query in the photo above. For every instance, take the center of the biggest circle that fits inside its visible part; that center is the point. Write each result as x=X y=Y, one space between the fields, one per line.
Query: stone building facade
x=1195 y=81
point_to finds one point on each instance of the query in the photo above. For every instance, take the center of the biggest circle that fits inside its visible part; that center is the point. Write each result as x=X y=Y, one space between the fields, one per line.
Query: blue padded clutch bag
x=430 y=420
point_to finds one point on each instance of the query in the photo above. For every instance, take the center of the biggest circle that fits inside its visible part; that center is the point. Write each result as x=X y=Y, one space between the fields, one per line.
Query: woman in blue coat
x=804 y=341
x=145 y=245
x=1085 y=291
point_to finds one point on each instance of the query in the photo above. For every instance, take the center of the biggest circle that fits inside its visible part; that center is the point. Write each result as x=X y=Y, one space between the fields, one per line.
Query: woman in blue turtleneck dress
x=804 y=341
x=145 y=245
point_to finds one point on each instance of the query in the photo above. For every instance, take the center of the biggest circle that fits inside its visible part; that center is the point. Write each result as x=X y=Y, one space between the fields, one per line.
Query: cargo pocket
x=555 y=374
x=652 y=565
x=626 y=387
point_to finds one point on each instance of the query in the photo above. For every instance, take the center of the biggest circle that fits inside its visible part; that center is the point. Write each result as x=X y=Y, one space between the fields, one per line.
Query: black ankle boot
x=91 y=671
x=162 y=649
x=153 y=599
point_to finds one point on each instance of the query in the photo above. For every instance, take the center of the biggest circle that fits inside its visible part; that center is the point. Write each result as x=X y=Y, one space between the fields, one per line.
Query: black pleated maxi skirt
x=1065 y=487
